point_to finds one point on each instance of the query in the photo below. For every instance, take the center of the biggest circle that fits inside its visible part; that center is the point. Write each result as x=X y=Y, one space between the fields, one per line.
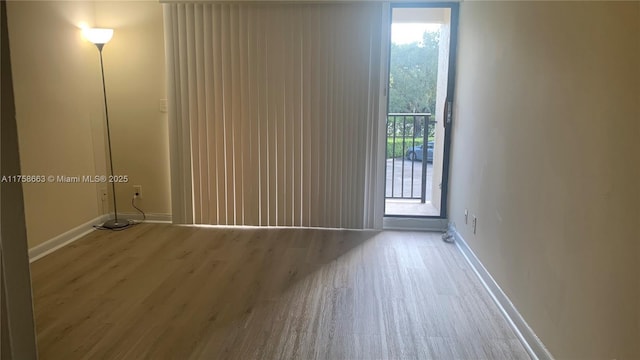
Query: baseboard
x=530 y=341
x=150 y=218
x=414 y=224
x=76 y=233
x=65 y=238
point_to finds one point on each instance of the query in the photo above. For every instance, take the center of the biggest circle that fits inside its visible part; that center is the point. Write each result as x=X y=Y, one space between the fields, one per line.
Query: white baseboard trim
x=76 y=233
x=414 y=224
x=530 y=341
x=151 y=218
x=65 y=238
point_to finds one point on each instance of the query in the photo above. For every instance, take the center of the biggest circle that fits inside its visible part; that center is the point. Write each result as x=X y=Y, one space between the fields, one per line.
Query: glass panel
x=418 y=71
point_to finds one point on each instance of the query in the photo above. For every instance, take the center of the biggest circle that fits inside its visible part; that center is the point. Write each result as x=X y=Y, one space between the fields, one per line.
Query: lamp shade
x=98 y=35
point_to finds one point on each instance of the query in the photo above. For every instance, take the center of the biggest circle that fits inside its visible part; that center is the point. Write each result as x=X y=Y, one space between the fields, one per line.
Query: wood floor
x=175 y=292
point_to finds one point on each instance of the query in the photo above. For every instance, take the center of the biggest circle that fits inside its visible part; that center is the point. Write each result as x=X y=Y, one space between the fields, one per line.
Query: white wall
x=60 y=111
x=546 y=154
x=136 y=82
x=441 y=97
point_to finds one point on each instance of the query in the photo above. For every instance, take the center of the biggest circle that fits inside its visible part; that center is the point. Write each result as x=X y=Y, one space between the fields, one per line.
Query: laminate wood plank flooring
x=159 y=291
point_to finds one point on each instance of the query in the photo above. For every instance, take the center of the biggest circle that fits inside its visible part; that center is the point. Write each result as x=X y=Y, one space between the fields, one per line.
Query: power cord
x=144 y=216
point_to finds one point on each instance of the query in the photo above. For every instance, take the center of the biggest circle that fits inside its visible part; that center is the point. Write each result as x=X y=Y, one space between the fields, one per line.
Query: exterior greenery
x=407 y=130
x=413 y=77
x=398 y=151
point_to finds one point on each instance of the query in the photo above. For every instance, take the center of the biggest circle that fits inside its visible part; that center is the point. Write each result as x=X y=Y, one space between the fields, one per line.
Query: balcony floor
x=410 y=208
x=406 y=177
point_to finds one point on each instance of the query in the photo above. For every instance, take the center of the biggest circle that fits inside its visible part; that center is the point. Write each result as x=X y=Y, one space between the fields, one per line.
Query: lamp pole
x=100 y=37
x=106 y=114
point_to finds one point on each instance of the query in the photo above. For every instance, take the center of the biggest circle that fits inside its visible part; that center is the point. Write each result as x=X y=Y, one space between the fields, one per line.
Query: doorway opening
x=417 y=131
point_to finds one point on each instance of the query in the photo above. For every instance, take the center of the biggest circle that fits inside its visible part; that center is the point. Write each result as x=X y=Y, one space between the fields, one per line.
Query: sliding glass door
x=420 y=97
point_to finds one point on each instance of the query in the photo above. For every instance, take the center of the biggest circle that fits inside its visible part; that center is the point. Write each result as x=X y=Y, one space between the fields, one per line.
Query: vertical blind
x=275 y=114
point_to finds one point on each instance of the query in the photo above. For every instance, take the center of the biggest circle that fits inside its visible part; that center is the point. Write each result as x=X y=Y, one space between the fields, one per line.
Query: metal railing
x=406 y=177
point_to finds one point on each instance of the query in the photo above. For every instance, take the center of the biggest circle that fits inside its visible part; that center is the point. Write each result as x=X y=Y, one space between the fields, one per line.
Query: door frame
x=396 y=221
x=17 y=325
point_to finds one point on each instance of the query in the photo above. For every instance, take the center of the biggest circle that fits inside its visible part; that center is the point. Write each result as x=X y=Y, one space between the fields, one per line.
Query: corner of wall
x=60 y=109
x=55 y=108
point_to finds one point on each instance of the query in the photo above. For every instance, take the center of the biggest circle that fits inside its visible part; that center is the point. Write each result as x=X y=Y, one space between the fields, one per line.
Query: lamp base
x=116 y=225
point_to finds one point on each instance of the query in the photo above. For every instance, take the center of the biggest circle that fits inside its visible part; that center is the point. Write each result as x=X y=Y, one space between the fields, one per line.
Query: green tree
x=413 y=75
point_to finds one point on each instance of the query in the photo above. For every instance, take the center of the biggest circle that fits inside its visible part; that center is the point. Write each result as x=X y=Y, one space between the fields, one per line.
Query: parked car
x=416 y=152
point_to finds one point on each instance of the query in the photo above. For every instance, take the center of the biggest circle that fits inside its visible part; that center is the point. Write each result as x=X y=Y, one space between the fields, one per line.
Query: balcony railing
x=409 y=150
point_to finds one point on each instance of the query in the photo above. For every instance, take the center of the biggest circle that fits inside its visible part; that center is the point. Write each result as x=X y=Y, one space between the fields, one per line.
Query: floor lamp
x=100 y=37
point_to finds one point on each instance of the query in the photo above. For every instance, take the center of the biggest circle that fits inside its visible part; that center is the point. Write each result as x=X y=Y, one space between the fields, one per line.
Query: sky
x=405 y=33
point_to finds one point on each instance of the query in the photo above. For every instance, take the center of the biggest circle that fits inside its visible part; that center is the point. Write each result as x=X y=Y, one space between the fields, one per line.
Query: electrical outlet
x=137 y=191
x=466 y=216
x=475 y=224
